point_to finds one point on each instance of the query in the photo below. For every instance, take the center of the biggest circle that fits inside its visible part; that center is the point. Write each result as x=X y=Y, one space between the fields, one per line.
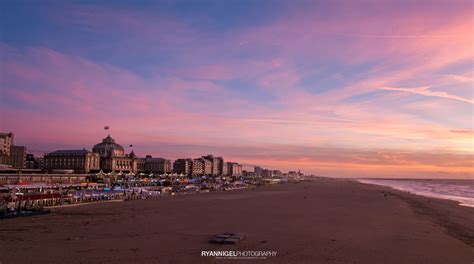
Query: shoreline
x=460 y=200
x=435 y=209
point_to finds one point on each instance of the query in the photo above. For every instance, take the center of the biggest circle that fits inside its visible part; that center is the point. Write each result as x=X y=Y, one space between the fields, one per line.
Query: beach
x=321 y=221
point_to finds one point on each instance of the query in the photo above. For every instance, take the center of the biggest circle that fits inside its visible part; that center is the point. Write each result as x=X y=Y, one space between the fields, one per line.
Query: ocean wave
x=461 y=191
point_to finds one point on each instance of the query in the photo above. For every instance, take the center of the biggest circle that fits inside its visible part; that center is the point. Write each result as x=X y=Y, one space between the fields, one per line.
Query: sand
x=323 y=221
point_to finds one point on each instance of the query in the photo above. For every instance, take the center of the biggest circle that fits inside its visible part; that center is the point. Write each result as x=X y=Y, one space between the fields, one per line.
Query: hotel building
x=234 y=169
x=114 y=159
x=6 y=141
x=197 y=167
x=11 y=155
x=80 y=161
x=218 y=166
x=183 y=166
x=207 y=167
x=157 y=165
x=18 y=157
x=107 y=156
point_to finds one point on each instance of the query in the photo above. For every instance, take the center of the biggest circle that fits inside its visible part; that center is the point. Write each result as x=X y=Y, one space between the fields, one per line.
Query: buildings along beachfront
x=108 y=172
x=105 y=157
x=109 y=156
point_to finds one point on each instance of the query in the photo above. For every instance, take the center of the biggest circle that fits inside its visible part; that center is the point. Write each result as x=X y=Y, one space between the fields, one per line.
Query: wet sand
x=323 y=221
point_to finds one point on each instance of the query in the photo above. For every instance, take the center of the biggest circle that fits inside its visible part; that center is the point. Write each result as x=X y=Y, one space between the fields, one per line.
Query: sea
x=461 y=191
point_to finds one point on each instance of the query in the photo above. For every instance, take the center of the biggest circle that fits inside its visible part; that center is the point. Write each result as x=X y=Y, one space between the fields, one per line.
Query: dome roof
x=108 y=147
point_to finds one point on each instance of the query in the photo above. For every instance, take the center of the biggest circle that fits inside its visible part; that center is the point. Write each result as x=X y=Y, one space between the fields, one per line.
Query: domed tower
x=108 y=148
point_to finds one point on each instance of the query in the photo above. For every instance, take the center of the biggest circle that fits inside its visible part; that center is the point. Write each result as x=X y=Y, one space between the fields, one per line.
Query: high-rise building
x=6 y=141
x=197 y=167
x=34 y=163
x=39 y=163
x=238 y=170
x=183 y=166
x=217 y=167
x=266 y=173
x=277 y=173
x=17 y=157
x=207 y=166
x=224 y=168
x=234 y=169
x=220 y=166
x=157 y=165
x=30 y=161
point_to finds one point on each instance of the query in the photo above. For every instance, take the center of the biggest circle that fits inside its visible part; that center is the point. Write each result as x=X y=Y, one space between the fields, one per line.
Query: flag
x=106 y=128
x=131 y=146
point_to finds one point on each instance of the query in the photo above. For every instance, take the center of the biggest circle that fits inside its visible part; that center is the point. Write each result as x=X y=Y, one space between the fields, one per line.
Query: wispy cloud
x=298 y=89
x=425 y=91
x=463 y=131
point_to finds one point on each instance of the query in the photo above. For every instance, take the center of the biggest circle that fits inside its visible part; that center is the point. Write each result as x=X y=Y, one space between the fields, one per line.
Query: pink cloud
x=425 y=91
x=61 y=94
x=462 y=131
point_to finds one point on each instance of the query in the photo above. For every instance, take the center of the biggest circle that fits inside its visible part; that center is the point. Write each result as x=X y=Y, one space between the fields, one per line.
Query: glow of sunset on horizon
x=336 y=88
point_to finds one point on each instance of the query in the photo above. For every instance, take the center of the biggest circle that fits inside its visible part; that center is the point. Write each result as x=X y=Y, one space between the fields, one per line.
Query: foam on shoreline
x=459 y=191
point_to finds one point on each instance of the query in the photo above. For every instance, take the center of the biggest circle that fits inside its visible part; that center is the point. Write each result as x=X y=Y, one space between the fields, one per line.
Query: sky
x=337 y=88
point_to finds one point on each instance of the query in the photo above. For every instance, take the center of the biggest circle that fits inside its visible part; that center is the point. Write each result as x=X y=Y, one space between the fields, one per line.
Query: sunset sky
x=336 y=88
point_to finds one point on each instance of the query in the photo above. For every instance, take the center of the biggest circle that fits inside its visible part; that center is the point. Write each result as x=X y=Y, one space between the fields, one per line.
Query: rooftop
x=69 y=152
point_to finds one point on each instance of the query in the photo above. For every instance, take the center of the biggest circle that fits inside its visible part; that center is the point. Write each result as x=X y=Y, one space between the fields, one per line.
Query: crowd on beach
x=28 y=199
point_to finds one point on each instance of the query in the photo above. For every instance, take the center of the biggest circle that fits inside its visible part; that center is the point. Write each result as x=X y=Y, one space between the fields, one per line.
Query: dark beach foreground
x=323 y=221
